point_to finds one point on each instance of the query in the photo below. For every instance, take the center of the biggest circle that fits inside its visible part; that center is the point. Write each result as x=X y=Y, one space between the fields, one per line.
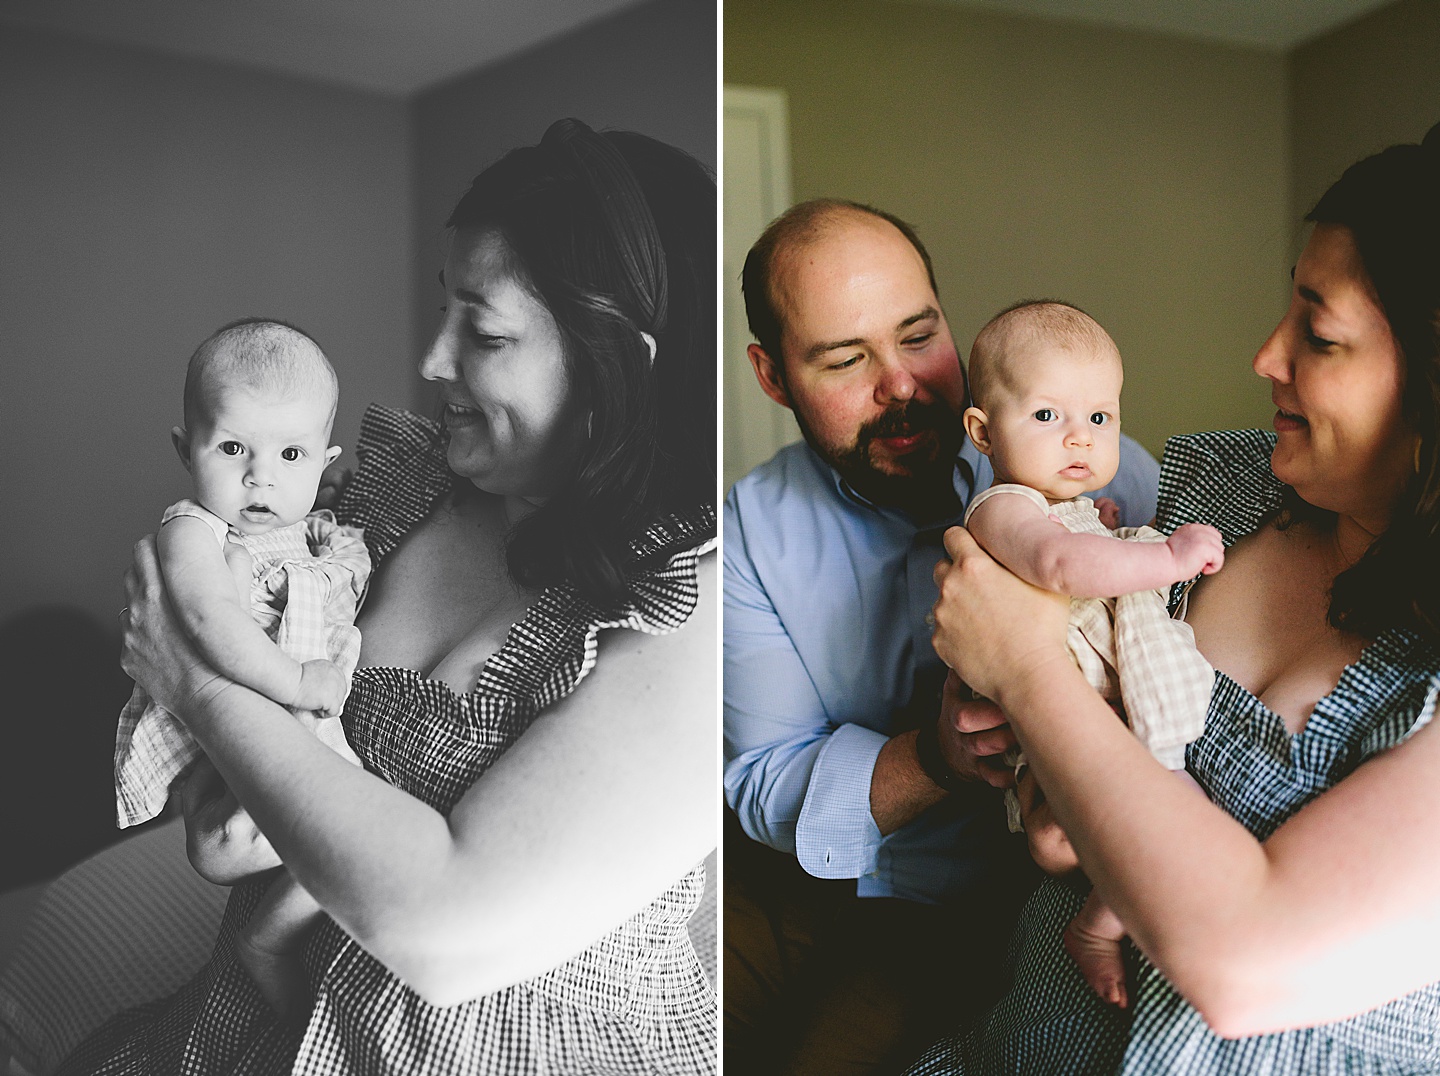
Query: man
x=840 y=751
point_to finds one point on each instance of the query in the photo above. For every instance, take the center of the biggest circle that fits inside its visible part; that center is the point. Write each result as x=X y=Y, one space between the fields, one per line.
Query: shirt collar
x=969 y=464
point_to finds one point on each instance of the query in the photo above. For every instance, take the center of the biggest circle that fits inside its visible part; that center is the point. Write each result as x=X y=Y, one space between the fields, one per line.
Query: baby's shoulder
x=188 y=509
x=1000 y=489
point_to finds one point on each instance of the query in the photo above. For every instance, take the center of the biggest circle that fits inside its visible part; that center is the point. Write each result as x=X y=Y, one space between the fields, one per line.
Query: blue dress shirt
x=827 y=598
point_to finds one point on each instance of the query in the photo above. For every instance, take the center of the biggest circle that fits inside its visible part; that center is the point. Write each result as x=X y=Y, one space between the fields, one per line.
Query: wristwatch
x=927 y=751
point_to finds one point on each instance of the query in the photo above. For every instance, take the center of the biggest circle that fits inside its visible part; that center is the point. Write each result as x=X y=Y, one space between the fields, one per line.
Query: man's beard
x=919 y=480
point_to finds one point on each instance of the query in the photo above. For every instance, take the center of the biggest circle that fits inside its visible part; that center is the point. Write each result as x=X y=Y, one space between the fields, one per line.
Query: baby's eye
x=291 y=454
x=1045 y=414
x=1099 y=418
x=231 y=448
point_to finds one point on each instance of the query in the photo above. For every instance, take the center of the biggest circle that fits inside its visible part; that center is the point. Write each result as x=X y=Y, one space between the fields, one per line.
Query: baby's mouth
x=256 y=510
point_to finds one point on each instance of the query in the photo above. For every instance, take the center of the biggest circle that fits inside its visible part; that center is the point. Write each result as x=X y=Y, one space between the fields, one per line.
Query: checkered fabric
x=1050 y=1022
x=1128 y=647
x=308 y=578
x=636 y=1001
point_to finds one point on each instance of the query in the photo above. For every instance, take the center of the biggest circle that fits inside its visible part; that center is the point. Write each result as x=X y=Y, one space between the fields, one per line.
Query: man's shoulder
x=794 y=471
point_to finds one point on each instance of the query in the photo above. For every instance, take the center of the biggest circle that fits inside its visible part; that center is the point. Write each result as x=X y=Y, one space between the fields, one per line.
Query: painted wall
x=649 y=69
x=1361 y=88
x=1143 y=177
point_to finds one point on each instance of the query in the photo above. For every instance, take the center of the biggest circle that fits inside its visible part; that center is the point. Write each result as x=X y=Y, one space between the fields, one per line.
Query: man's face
x=869 y=366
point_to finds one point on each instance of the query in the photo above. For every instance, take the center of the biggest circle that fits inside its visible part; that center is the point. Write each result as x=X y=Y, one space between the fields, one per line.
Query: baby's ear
x=331 y=454
x=180 y=438
x=977 y=425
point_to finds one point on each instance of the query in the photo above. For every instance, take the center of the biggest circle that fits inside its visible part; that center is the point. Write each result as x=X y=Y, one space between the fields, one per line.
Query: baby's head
x=1045 y=399
x=260 y=399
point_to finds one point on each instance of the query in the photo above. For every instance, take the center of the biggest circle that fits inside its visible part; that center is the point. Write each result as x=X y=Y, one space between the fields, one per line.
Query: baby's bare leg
x=270 y=945
x=1093 y=941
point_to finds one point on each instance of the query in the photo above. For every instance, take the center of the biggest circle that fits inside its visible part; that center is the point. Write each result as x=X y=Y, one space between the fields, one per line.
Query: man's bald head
x=260 y=356
x=998 y=355
x=787 y=235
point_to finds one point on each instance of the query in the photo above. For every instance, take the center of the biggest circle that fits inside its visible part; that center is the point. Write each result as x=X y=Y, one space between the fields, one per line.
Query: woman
x=1292 y=925
x=502 y=883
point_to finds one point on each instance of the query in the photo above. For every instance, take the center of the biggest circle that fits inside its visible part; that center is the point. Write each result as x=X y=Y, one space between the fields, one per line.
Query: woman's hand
x=992 y=627
x=157 y=654
x=221 y=839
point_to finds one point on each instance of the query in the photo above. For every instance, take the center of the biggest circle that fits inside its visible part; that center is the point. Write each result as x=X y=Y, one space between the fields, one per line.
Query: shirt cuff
x=836 y=836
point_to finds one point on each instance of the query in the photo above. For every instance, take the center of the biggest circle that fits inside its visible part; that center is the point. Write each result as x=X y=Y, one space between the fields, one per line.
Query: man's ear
x=977 y=425
x=180 y=438
x=331 y=454
x=767 y=372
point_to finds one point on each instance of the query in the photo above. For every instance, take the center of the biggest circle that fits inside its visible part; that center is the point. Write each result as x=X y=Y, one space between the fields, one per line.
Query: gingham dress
x=306 y=581
x=1050 y=1023
x=636 y=1001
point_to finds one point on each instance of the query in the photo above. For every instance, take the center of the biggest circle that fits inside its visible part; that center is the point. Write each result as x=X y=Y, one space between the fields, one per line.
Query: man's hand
x=974 y=735
x=1049 y=847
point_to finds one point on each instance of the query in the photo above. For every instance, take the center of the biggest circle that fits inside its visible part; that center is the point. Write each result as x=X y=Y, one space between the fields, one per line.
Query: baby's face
x=1055 y=427
x=256 y=458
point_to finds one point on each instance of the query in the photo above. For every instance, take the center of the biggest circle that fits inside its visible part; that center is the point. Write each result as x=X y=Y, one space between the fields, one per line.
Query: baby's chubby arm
x=1041 y=551
x=216 y=615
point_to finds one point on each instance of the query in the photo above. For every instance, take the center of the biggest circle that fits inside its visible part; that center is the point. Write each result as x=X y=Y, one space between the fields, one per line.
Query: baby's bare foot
x=1093 y=941
x=280 y=977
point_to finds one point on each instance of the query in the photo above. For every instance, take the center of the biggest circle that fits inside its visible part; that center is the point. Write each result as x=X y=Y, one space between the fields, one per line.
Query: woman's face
x=1337 y=376
x=500 y=362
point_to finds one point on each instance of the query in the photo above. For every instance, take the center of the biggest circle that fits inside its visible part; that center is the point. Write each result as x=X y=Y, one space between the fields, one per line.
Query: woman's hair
x=615 y=233
x=1391 y=204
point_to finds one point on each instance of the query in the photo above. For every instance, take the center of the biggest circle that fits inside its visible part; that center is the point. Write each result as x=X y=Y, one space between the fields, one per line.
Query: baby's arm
x=1041 y=551
x=216 y=615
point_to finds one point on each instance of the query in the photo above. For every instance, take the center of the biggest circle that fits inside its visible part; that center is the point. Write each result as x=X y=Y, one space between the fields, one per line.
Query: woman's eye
x=231 y=448
x=1045 y=414
x=1318 y=342
x=1099 y=418
x=291 y=454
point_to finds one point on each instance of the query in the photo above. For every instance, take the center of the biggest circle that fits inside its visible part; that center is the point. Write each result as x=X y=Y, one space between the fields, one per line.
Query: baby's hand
x=1197 y=548
x=322 y=688
x=1108 y=511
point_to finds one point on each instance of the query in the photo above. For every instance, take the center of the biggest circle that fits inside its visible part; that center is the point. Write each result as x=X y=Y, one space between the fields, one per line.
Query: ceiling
x=392 y=47
x=1276 y=25
x=401 y=47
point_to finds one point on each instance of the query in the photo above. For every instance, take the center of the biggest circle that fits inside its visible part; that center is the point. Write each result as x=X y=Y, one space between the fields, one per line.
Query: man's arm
x=828 y=792
x=217 y=618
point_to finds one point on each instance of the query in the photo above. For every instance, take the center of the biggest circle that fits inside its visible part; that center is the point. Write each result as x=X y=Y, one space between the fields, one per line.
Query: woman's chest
x=443 y=602
x=1263 y=622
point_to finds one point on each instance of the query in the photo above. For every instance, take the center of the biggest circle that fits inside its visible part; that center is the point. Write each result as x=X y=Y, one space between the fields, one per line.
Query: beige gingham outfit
x=307 y=582
x=1128 y=647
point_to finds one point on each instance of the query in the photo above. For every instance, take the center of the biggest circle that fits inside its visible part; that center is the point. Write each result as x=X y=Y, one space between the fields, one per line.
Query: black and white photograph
x=360 y=603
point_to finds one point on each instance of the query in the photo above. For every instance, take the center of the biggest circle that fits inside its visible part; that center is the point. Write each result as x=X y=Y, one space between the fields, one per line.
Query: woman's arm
x=1338 y=912
x=608 y=798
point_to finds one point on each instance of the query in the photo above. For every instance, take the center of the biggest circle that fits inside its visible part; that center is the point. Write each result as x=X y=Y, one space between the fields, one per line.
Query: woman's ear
x=180 y=438
x=977 y=425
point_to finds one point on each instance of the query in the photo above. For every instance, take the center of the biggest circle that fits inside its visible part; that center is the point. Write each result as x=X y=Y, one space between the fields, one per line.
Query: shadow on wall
x=64 y=690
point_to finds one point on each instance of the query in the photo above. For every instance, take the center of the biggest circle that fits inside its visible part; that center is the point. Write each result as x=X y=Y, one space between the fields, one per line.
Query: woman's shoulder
x=401 y=473
x=1222 y=478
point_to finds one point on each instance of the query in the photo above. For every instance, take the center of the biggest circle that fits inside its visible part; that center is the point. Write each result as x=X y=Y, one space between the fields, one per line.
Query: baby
x=1045 y=387
x=246 y=562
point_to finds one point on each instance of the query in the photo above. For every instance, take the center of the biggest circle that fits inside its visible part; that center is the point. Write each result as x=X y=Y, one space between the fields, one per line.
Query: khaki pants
x=819 y=981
